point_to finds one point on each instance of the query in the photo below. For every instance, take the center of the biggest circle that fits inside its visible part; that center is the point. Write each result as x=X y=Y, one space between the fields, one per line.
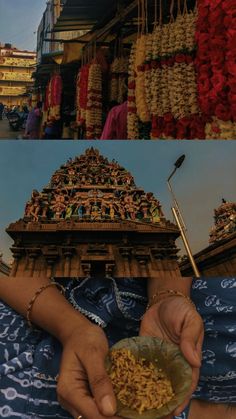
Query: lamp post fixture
x=179 y=218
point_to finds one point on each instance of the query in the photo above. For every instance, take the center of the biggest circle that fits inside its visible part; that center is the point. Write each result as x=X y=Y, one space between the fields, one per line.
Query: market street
x=7 y=133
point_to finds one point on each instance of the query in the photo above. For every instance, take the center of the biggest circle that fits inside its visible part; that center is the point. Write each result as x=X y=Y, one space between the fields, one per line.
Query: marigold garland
x=141 y=103
x=132 y=123
x=94 y=103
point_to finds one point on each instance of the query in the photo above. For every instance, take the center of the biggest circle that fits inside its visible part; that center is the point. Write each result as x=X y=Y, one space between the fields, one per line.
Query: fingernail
x=108 y=407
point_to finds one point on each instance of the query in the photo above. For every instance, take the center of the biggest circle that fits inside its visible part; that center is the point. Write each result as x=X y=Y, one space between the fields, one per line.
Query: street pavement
x=7 y=134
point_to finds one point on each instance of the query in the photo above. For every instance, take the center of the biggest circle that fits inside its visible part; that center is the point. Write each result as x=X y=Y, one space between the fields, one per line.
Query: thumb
x=191 y=339
x=100 y=383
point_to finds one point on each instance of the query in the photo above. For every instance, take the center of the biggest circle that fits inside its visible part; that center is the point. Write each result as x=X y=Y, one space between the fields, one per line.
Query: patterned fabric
x=29 y=359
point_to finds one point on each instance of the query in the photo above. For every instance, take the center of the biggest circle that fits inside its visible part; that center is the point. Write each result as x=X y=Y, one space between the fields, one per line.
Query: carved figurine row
x=91 y=169
x=93 y=205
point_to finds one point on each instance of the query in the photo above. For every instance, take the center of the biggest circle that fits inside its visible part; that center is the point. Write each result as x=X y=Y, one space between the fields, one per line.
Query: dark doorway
x=98 y=270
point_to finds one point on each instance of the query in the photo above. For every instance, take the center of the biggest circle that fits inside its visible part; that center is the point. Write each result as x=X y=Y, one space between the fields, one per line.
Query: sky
x=207 y=175
x=19 y=21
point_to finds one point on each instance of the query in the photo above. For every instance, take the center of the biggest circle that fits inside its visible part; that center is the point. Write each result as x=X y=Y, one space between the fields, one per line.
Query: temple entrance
x=98 y=270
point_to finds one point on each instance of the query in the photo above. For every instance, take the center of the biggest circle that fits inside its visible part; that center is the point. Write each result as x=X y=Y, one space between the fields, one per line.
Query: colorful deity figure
x=35 y=205
x=144 y=207
x=121 y=211
x=87 y=208
x=131 y=211
x=58 y=210
x=111 y=211
x=95 y=212
x=104 y=208
x=45 y=198
x=155 y=213
x=80 y=210
x=71 y=177
x=69 y=212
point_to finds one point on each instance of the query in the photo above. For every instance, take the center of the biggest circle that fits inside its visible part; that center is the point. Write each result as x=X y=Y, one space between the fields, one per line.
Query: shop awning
x=84 y=14
x=102 y=19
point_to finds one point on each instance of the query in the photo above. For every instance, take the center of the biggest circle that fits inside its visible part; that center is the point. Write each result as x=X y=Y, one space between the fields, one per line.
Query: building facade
x=48 y=40
x=93 y=221
x=16 y=69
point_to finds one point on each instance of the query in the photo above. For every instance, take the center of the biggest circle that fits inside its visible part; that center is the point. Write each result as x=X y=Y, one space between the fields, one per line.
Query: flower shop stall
x=173 y=60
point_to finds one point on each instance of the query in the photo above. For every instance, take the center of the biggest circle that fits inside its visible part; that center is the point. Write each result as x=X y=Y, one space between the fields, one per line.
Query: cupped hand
x=175 y=320
x=84 y=387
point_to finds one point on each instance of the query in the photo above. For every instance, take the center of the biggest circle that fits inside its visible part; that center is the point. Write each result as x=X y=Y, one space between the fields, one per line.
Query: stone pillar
x=51 y=255
x=68 y=253
x=126 y=253
x=143 y=263
x=32 y=255
x=18 y=252
x=110 y=269
x=87 y=269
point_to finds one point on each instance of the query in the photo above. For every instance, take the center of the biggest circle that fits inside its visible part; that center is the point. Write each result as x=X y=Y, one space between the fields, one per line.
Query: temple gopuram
x=225 y=222
x=219 y=258
x=91 y=220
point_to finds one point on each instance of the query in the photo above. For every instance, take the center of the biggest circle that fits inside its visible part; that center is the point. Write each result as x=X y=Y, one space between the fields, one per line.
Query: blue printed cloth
x=29 y=359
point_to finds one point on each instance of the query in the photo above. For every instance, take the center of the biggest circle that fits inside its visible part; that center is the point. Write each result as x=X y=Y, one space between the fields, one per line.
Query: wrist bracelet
x=39 y=292
x=161 y=295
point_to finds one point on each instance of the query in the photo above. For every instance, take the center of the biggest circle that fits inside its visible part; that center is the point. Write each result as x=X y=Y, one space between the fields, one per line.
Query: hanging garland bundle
x=216 y=66
x=53 y=98
x=82 y=94
x=119 y=73
x=114 y=87
x=175 y=111
x=141 y=103
x=94 y=103
x=132 y=123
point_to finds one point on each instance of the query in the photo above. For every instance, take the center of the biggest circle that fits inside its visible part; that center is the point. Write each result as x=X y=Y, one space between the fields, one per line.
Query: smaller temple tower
x=225 y=222
x=219 y=258
x=91 y=220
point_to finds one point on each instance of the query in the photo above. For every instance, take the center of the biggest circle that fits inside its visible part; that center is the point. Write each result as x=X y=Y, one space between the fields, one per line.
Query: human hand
x=175 y=320
x=84 y=387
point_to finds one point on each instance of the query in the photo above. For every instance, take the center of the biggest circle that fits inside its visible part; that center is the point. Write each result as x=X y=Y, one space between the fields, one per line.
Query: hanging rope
x=146 y=11
x=161 y=14
x=143 y=16
x=185 y=11
x=172 y=5
x=179 y=7
x=155 y=15
x=139 y=17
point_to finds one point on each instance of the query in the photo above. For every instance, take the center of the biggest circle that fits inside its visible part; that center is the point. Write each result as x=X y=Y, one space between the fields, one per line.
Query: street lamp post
x=180 y=220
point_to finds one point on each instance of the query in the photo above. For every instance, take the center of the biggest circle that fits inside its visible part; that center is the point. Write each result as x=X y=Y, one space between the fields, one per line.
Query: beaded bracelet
x=161 y=295
x=31 y=303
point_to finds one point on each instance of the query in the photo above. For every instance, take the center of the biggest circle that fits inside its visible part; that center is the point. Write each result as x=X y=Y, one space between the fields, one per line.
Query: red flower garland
x=216 y=58
x=82 y=93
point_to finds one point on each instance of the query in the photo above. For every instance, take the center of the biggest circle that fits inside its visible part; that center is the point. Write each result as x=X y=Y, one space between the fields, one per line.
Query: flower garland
x=132 y=122
x=53 y=98
x=175 y=110
x=94 y=103
x=229 y=8
x=221 y=130
x=141 y=100
x=82 y=94
x=216 y=66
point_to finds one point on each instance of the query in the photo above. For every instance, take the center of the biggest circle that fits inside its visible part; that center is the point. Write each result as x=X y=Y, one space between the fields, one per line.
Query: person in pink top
x=116 y=123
